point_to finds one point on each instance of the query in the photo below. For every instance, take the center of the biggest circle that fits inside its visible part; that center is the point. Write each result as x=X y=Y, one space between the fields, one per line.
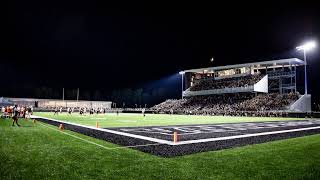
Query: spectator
x=229 y=104
x=206 y=84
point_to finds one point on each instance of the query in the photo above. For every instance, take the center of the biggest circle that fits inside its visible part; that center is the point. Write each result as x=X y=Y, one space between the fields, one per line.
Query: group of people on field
x=81 y=110
x=15 y=112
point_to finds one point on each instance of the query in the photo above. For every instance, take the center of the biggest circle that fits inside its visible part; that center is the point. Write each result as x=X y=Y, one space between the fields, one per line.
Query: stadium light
x=306 y=47
x=182 y=74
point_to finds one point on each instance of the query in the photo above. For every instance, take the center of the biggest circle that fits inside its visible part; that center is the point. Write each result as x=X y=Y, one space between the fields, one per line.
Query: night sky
x=102 y=46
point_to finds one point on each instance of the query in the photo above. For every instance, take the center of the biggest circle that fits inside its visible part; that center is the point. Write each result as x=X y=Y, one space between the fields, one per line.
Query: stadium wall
x=52 y=103
x=262 y=85
x=303 y=104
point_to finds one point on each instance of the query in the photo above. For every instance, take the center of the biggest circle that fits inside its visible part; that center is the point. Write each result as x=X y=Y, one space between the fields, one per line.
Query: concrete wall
x=262 y=85
x=303 y=104
x=51 y=103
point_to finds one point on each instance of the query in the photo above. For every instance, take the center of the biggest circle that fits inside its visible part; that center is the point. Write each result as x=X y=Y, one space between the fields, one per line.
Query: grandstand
x=261 y=88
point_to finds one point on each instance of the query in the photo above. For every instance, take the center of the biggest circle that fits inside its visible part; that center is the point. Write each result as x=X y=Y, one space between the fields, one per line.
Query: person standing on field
x=144 y=112
x=3 y=111
x=15 y=115
x=55 y=111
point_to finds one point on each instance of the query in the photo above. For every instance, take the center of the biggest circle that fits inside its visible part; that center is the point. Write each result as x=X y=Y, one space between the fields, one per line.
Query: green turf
x=35 y=151
x=124 y=120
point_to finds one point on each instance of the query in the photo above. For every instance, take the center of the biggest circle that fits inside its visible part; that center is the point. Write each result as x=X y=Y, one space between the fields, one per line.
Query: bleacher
x=244 y=89
x=207 y=84
x=229 y=104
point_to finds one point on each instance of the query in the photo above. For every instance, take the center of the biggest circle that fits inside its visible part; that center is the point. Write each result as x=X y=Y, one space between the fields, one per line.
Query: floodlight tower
x=305 y=48
x=182 y=74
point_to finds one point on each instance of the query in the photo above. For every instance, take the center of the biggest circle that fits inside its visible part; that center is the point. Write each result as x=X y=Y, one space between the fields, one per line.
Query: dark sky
x=93 y=45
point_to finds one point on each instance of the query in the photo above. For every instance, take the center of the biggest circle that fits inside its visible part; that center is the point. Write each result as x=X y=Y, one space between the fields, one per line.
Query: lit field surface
x=40 y=151
x=130 y=119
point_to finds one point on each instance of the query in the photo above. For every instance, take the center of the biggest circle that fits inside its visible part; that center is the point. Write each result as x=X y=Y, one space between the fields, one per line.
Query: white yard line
x=99 y=145
x=90 y=142
x=244 y=136
x=143 y=145
x=160 y=141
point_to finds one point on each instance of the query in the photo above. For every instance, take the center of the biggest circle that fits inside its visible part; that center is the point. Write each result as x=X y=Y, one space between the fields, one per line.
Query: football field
x=136 y=119
x=176 y=135
x=41 y=151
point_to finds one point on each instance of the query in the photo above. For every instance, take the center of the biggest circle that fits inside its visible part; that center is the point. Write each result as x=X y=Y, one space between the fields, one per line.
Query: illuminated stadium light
x=181 y=72
x=306 y=47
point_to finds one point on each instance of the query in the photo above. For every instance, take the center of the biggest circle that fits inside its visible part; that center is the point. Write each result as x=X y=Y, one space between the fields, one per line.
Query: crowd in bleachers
x=243 y=81
x=229 y=104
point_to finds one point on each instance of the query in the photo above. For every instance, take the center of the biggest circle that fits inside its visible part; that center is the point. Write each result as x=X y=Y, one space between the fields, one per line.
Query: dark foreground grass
x=34 y=151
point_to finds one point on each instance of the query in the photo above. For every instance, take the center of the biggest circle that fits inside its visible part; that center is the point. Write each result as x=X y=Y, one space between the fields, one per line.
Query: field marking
x=99 y=145
x=160 y=141
x=244 y=136
x=213 y=128
x=127 y=120
x=142 y=145
x=98 y=118
x=75 y=137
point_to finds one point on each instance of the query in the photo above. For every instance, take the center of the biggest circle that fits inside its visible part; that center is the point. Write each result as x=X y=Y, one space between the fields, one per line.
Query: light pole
x=62 y=94
x=306 y=47
x=182 y=74
x=77 y=94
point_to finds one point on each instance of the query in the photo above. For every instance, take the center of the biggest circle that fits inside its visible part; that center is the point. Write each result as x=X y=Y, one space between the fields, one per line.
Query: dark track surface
x=198 y=132
x=204 y=131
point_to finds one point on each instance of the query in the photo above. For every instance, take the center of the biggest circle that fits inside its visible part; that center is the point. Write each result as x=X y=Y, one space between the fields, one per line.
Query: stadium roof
x=262 y=64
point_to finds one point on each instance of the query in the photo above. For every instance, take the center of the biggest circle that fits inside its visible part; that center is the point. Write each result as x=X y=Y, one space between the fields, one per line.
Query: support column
x=295 y=78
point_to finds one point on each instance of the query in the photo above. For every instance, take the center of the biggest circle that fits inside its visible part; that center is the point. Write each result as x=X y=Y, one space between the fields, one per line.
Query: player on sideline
x=28 y=112
x=171 y=111
x=3 y=111
x=25 y=111
x=81 y=111
x=10 y=111
x=15 y=115
x=143 y=112
x=55 y=111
